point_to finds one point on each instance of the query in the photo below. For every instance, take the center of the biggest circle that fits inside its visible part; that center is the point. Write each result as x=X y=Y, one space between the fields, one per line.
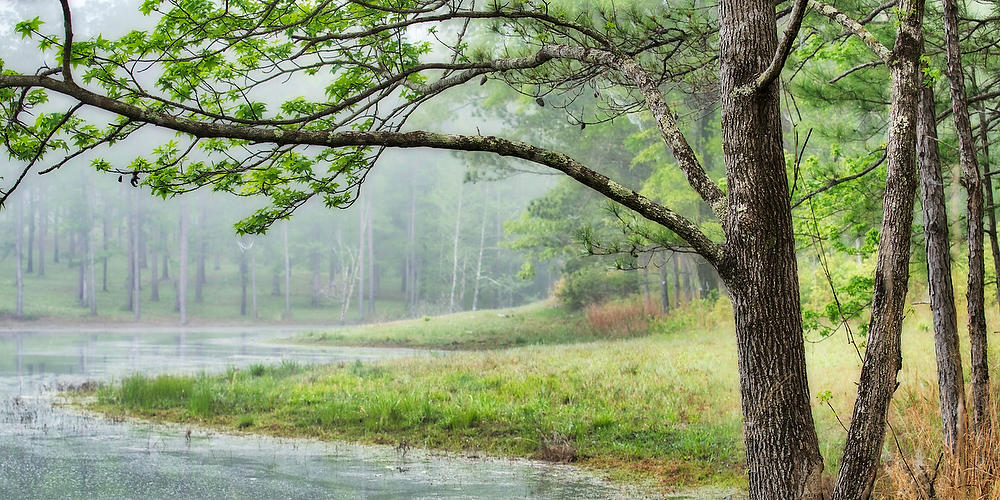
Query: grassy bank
x=538 y=323
x=663 y=407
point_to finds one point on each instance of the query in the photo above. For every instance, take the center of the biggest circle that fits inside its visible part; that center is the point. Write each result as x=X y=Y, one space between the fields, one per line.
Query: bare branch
x=855 y=27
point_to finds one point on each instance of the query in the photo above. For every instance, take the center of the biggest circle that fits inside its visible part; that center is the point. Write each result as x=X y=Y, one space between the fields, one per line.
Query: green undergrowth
x=647 y=408
x=534 y=324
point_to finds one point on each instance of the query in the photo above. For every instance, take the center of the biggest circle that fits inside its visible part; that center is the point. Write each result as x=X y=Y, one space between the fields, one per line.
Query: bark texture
x=974 y=218
x=946 y=345
x=760 y=269
x=883 y=359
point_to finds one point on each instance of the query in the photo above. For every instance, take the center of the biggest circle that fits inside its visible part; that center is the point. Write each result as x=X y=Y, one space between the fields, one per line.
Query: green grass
x=533 y=324
x=663 y=407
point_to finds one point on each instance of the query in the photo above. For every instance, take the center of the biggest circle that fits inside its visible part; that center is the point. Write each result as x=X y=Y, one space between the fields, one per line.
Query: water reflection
x=49 y=452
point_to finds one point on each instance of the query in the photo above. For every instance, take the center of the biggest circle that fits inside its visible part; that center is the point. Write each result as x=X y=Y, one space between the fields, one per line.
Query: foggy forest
x=499 y=249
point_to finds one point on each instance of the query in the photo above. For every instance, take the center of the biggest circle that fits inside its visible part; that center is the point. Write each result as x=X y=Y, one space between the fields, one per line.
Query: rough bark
x=942 y=295
x=760 y=269
x=974 y=219
x=883 y=358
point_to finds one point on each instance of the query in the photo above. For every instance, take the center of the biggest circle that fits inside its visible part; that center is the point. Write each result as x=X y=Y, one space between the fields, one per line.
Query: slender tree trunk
x=43 y=229
x=883 y=358
x=106 y=230
x=81 y=288
x=276 y=283
x=664 y=296
x=314 y=265
x=19 y=259
x=288 y=273
x=411 y=244
x=55 y=235
x=946 y=343
x=677 y=279
x=182 y=268
x=974 y=218
x=991 y=213
x=244 y=282
x=361 y=261
x=253 y=283
x=135 y=254
x=372 y=282
x=479 y=258
x=462 y=281
x=782 y=449
x=30 y=193
x=454 y=259
x=154 y=280
x=200 y=278
x=89 y=228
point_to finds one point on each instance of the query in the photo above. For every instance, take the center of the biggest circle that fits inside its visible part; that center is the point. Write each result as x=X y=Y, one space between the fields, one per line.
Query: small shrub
x=593 y=285
x=556 y=447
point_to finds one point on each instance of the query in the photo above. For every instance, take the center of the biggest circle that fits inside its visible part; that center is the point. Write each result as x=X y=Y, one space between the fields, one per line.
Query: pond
x=49 y=451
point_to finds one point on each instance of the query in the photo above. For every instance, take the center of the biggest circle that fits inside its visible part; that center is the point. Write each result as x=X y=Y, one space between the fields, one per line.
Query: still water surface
x=52 y=452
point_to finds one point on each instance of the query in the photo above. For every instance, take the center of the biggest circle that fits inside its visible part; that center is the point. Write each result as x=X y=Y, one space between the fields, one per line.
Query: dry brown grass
x=623 y=318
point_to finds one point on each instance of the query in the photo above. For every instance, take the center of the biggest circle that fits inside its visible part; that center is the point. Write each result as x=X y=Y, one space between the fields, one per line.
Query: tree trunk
x=89 y=228
x=288 y=273
x=782 y=449
x=936 y=242
x=454 y=255
x=31 y=229
x=314 y=265
x=43 y=229
x=361 y=261
x=55 y=235
x=883 y=358
x=182 y=269
x=244 y=281
x=19 y=259
x=664 y=296
x=991 y=213
x=106 y=230
x=479 y=259
x=276 y=283
x=372 y=282
x=974 y=219
x=200 y=278
x=677 y=279
x=411 y=277
x=154 y=279
x=253 y=284
x=134 y=232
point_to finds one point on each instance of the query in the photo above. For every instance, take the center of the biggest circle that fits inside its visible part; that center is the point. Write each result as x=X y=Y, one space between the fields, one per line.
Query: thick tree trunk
x=974 y=219
x=883 y=358
x=936 y=242
x=760 y=270
x=454 y=255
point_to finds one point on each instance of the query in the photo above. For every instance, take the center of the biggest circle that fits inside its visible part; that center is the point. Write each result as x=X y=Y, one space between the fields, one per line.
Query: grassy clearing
x=533 y=324
x=662 y=407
